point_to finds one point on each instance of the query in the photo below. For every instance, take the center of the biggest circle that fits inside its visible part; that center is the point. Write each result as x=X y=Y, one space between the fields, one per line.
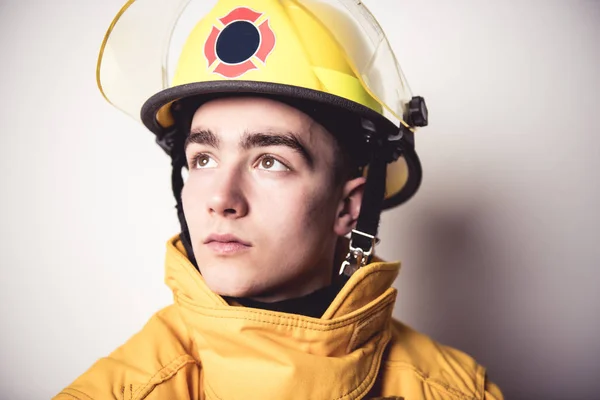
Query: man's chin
x=234 y=287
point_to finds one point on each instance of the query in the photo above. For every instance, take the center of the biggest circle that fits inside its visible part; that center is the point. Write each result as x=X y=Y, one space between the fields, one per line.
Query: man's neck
x=311 y=305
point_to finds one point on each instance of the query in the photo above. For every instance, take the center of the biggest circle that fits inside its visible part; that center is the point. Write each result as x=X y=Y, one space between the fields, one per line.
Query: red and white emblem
x=239 y=43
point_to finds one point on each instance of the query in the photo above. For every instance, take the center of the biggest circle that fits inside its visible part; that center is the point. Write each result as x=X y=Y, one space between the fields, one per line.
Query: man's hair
x=350 y=157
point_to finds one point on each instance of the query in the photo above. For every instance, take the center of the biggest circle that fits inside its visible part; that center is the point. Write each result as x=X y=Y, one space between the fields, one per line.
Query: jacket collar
x=253 y=353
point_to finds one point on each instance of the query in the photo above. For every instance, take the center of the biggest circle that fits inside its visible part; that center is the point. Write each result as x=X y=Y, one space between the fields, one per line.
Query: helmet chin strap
x=364 y=236
x=172 y=142
x=177 y=185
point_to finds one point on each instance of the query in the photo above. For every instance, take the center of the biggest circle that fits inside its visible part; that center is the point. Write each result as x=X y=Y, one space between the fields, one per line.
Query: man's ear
x=349 y=207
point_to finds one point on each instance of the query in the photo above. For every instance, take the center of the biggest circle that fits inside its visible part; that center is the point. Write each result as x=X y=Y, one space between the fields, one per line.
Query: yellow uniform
x=203 y=348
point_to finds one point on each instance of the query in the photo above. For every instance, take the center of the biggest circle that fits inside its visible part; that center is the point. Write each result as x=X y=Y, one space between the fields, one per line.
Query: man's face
x=261 y=200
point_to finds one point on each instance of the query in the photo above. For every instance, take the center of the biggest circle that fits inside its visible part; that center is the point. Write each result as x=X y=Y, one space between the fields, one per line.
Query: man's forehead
x=231 y=110
x=235 y=117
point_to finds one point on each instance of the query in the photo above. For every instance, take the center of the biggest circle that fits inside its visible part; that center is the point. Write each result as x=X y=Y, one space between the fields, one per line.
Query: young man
x=278 y=112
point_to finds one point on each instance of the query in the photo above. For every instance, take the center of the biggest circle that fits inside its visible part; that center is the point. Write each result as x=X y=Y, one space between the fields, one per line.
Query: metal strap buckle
x=356 y=256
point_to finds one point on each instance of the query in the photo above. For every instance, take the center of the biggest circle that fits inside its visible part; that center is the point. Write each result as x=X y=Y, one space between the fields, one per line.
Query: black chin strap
x=364 y=236
x=372 y=203
x=173 y=144
x=177 y=186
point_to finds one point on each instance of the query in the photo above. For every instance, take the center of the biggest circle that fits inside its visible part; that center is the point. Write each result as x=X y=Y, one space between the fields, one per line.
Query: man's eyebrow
x=202 y=136
x=288 y=139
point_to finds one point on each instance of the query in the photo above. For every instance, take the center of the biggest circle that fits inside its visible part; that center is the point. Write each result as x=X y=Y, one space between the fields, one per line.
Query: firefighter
x=290 y=127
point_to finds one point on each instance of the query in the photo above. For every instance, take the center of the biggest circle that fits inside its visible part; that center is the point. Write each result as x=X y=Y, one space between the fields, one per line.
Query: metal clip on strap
x=357 y=257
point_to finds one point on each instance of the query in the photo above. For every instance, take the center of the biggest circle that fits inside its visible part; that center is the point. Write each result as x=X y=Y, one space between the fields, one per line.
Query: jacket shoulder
x=417 y=367
x=157 y=353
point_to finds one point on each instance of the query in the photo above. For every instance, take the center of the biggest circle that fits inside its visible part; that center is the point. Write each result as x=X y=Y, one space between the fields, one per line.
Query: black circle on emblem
x=237 y=42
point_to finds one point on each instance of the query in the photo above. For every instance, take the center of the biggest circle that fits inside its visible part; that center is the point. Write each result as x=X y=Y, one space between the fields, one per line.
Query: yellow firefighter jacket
x=202 y=348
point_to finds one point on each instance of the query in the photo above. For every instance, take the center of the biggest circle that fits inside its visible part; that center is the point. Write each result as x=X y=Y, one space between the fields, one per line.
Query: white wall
x=499 y=248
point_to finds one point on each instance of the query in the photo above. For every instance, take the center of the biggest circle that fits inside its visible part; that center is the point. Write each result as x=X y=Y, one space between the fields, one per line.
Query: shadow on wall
x=455 y=286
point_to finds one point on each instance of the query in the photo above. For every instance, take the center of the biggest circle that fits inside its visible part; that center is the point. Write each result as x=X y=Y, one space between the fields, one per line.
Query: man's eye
x=202 y=161
x=271 y=164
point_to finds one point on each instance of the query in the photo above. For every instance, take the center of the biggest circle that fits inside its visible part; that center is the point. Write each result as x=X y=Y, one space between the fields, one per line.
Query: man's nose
x=227 y=198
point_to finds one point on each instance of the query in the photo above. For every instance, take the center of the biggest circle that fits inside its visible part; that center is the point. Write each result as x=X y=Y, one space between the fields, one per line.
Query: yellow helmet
x=325 y=53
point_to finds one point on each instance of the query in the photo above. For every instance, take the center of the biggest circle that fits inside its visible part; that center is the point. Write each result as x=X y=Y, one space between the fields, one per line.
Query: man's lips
x=226 y=243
